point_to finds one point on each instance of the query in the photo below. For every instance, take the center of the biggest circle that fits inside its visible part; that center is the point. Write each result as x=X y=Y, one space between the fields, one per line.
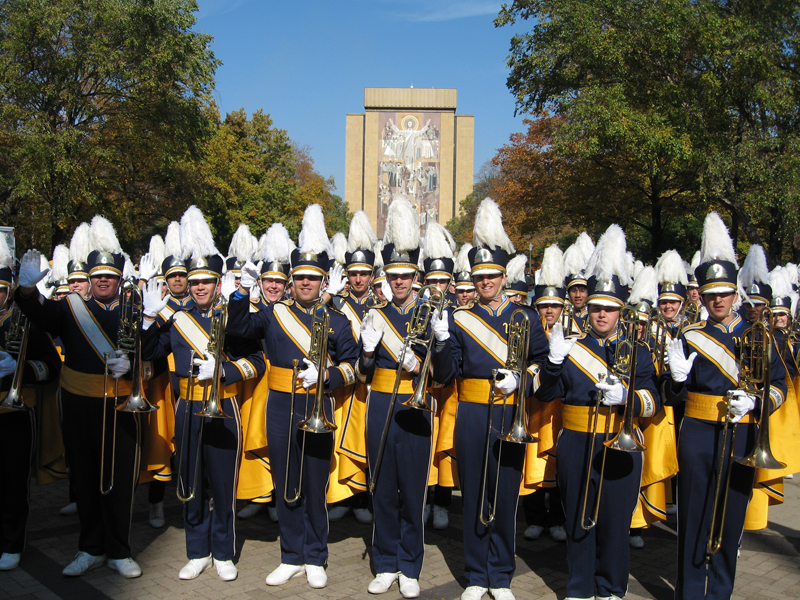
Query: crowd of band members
x=571 y=395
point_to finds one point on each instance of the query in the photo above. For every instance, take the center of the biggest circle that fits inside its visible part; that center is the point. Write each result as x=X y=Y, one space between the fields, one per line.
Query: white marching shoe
x=195 y=567
x=284 y=573
x=9 y=561
x=127 y=567
x=226 y=570
x=381 y=583
x=83 y=563
x=316 y=576
x=409 y=588
x=474 y=592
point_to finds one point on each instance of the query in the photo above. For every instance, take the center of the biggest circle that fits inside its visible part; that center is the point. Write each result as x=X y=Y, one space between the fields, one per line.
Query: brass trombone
x=317 y=422
x=417 y=332
x=129 y=340
x=656 y=333
x=211 y=401
x=755 y=365
x=16 y=345
x=519 y=334
x=624 y=368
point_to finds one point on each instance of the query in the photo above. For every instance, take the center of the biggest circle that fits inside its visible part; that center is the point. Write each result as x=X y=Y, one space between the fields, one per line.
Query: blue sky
x=307 y=64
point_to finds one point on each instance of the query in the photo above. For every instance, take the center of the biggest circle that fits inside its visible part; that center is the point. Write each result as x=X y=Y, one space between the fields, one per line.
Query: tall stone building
x=409 y=142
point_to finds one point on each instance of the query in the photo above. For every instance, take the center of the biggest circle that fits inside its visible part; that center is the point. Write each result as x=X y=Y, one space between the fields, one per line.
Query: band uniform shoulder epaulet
x=379 y=304
x=698 y=325
x=467 y=306
x=286 y=301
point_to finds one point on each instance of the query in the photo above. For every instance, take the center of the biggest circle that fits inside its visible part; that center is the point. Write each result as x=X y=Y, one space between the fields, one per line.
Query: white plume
x=792 y=273
x=637 y=268
x=128 y=270
x=515 y=269
x=754 y=269
x=79 y=245
x=488 y=229
x=378 y=255
x=779 y=282
x=243 y=244
x=717 y=243
x=44 y=264
x=586 y=245
x=450 y=241
x=196 y=238
x=461 y=264
x=552 y=271
x=575 y=258
x=313 y=237
x=102 y=235
x=609 y=257
x=670 y=268
x=361 y=234
x=6 y=260
x=339 y=245
x=695 y=261
x=645 y=287
x=402 y=225
x=436 y=244
x=156 y=250
x=60 y=271
x=172 y=241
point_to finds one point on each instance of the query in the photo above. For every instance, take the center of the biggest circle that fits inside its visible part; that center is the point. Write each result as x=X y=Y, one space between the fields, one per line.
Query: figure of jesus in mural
x=409 y=143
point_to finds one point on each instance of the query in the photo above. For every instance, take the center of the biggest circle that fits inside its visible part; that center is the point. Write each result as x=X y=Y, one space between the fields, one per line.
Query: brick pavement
x=768 y=567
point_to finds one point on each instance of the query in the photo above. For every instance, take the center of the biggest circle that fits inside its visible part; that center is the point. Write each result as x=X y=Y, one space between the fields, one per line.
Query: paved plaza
x=769 y=567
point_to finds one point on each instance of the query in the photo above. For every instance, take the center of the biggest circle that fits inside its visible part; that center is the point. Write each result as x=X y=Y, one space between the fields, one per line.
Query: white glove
x=30 y=271
x=152 y=301
x=228 y=285
x=440 y=326
x=370 y=337
x=336 y=280
x=309 y=376
x=250 y=273
x=255 y=293
x=387 y=290
x=7 y=364
x=409 y=361
x=614 y=393
x=206 y=370
x=559 y=346
x=120 y=365
x=508 y=384
x=679 y=365
x=147 y=267
x=741 y=404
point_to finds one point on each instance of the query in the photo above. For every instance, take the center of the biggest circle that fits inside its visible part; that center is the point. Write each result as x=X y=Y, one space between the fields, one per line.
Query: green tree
x=100 y=100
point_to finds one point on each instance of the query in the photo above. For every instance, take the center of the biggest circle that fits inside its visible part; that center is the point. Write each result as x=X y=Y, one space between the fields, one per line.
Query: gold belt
x=711 y=408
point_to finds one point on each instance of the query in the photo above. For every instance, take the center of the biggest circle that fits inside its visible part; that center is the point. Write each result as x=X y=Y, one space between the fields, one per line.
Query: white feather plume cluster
x=754 y=269
x=488 y=231
x=609 y=257
x=59 y=272
x=378 y=255
x=196 y=238
x=361 y=235
x=695 y=261
x=172 y=241
x=44 y=264
x=461 y=264
x=670 y=268
x=552 y=271
x=402 y=225
x=779 y=282
x=436 y=244
x=243 y=244
x=515 y=269
x=792 y=273
x=577 y=255
x=102 y=235
x=645 y=287
x=79 y=244
x=6 y=260
x=313 y=237
x=339 y=245
x=278 y=245
x=450 y=240
x=717 y=243
x=156 y=249
x=637 y=268
x=128 y=270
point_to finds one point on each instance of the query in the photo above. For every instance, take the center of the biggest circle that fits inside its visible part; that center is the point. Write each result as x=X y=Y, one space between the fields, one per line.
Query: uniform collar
x=357 y=300
x=495 y=312
x=404 y=311
x=600 y=341
x=109 y=307
x=302 y=309
x=730 y=327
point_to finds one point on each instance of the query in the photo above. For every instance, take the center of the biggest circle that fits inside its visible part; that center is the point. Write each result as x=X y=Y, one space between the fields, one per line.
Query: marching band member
x=544 y=418
x=575 y=259
x=479 y=335
x=286 y=326
x=350 y=450
x=672 y=282
x=400 y=479
x=753 y=284
x=59 y=273
x=241 y=249
x=580 y=371
x=704 y=369
x=18 y=427
x=208 y=448
x=517 y=285
x=91 y=380
x=79 y=249
x=692 y=287
x=465 y=289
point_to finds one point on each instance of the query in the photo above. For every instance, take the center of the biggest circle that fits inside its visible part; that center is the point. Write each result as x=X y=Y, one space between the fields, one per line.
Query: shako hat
x=492 y=246
x=550 y=288
x=361 y=240
x=106 y=257
x=608 y=272
x=717 y=270
x=401 y=238
x=276 y=251
x=314 y=250
x=198 y=249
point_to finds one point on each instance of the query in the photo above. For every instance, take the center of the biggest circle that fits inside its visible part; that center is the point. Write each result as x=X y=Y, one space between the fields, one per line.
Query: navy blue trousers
x=303 y=524
x=598 y=560
x=209 y=532
x=105 y=520
x=698 y=457
x=488 y=550
x=399 y=496
x=17 y=433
